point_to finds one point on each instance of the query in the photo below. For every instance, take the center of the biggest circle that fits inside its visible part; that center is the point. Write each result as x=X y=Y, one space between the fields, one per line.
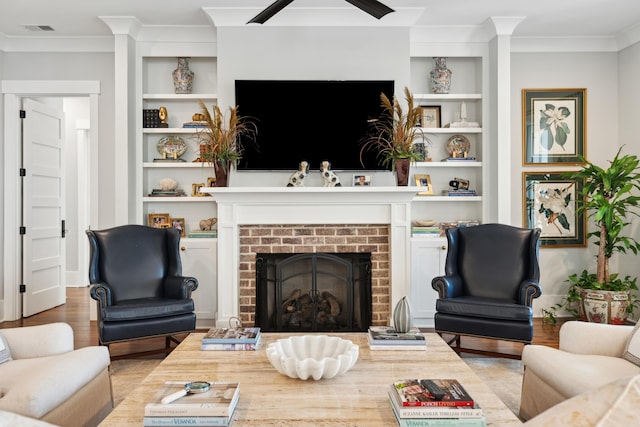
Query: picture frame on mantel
x=550 y=202
x=553 y=126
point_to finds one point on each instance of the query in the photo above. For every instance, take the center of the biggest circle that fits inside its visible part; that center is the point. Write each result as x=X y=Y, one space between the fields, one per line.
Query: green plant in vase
x=392 y=135
x=610 y=199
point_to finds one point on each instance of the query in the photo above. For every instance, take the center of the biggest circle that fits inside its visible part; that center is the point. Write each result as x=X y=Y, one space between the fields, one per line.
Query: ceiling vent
x=39 y=28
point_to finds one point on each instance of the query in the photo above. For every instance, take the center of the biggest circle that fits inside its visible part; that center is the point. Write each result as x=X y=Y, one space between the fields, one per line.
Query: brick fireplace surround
x=300 y=238
x=308 y=219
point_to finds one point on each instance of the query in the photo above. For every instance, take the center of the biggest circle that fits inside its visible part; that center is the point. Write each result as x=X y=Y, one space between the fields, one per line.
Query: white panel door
x=42 y=208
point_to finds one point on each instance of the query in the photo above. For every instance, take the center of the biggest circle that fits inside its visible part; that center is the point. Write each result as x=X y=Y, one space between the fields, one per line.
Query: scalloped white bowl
x=316 y=356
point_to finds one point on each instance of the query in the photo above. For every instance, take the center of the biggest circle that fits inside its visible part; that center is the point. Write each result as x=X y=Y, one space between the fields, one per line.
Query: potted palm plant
x=392 y=135
x=609 y=199
x=221 y=143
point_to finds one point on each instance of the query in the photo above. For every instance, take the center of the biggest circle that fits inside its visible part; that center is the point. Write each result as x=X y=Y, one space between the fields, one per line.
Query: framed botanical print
x=553 y=126
x=551 y=204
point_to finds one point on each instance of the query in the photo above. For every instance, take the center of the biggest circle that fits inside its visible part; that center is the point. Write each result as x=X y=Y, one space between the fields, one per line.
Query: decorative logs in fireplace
x=298 y=309
x=313 y=292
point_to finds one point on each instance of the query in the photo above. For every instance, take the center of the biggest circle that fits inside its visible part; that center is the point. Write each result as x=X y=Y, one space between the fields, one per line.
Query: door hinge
x=23 y=230
x=23 y=172
x=23 y=288
x=23 y=114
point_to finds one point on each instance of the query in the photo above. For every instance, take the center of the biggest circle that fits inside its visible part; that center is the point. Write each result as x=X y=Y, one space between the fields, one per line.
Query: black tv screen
x=312 y=120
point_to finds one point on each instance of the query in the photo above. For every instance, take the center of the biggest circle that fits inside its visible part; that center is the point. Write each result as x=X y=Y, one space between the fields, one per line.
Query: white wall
x=598 y=73
x=78 y=66
x=629 y=108
x=313 y=53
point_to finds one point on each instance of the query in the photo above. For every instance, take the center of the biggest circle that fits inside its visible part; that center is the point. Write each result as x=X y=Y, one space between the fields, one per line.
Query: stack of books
x=214 y=407
x=231 y=339
x=459 y=159
x=433 y=231
x=386 y=338
x=202 y=233
x=196 y=124
x=434 y=402
x=459 y=193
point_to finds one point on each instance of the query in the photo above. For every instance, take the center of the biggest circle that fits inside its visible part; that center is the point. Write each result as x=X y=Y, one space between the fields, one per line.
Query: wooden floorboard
x=75 y=312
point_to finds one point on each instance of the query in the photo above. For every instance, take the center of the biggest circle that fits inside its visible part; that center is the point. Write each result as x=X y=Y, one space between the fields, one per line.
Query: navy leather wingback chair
x=491 y=278
x=136 y=277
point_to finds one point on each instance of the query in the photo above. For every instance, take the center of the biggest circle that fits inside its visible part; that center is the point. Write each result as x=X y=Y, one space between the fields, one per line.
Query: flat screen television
x=312 y=120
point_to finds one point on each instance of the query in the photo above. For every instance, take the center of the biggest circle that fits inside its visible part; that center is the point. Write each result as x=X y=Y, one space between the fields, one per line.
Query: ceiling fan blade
x=274 y=8
x=372 y=7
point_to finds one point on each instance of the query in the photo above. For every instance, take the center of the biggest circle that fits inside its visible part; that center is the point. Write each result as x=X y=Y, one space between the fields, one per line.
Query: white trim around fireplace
x=313 y=205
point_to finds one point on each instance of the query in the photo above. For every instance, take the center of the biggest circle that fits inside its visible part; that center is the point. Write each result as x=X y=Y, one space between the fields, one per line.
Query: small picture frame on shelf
x=211 y=181
x=195 y=190
x=430 y=116
x=361 y=180
x=179 y=224
x=159 y=220
x=424 y=181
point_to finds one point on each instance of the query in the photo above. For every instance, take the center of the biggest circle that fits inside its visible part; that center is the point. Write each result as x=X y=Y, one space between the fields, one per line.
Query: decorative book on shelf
x=432 y=411
x=219 y=401
x=439 y=422
x=201 y=233
x=232 y=336
x=387 y=335
x=412 y=392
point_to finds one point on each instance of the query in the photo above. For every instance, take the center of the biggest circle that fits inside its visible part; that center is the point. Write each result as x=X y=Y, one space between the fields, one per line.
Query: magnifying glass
x=193 y=387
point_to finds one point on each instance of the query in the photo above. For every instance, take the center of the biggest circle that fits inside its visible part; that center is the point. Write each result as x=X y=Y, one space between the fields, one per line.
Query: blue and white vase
x=402 y=318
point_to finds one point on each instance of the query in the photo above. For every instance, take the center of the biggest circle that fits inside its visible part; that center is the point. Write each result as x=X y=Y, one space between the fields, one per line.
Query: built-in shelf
x=452 y=130
x=163 y=165
x=186 y=199
x=451 y=96
x=454 y=164
x=170 y=130
x=447 y=198
x=184 y=96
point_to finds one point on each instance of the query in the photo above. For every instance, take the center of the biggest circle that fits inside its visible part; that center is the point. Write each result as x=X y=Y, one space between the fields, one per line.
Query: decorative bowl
x=316 y=356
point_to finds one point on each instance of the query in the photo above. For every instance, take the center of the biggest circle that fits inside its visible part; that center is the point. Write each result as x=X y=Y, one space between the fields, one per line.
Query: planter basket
x=603 y=306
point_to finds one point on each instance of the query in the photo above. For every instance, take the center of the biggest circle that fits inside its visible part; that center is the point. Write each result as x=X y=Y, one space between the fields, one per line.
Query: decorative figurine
x=297 y=179
x=330 y=178
x=207 y=224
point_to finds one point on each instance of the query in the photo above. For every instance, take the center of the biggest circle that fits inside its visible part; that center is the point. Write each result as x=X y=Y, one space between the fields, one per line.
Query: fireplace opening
x=313 y=292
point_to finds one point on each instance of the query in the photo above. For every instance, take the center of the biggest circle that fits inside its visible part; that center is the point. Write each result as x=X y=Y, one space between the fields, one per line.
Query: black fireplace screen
x=317 y=292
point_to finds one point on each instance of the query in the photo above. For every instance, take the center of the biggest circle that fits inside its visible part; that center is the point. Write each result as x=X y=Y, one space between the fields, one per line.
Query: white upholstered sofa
x=46 y=379
x=590 y=356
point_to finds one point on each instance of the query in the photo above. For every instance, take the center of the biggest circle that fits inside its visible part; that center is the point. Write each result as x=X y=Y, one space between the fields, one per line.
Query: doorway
x=14 y=92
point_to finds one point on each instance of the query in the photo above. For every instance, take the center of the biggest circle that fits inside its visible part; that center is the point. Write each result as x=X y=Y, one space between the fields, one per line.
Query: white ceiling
x=542 y=18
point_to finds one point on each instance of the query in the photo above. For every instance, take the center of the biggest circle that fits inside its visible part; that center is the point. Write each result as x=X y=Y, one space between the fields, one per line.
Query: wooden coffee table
x=267 y=398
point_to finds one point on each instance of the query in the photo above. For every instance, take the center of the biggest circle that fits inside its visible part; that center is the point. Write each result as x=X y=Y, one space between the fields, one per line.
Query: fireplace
x=316 y=292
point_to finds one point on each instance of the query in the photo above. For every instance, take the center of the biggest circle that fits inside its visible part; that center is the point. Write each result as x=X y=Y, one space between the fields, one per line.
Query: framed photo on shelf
x=553 y=126
x=179 y=224
x=430 y=116
x=159 y=220
x=424 y=181
x=550 y=202
x=361 y=180
x=195 y=190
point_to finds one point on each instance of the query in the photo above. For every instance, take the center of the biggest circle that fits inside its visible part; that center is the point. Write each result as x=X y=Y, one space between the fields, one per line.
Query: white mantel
x=309 y=205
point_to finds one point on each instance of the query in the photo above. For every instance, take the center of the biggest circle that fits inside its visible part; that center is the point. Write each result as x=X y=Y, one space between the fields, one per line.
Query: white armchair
x=590 y=355
x=47 y=379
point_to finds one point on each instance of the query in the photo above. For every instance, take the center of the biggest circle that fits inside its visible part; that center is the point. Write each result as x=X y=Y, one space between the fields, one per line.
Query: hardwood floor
x=75 y=312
